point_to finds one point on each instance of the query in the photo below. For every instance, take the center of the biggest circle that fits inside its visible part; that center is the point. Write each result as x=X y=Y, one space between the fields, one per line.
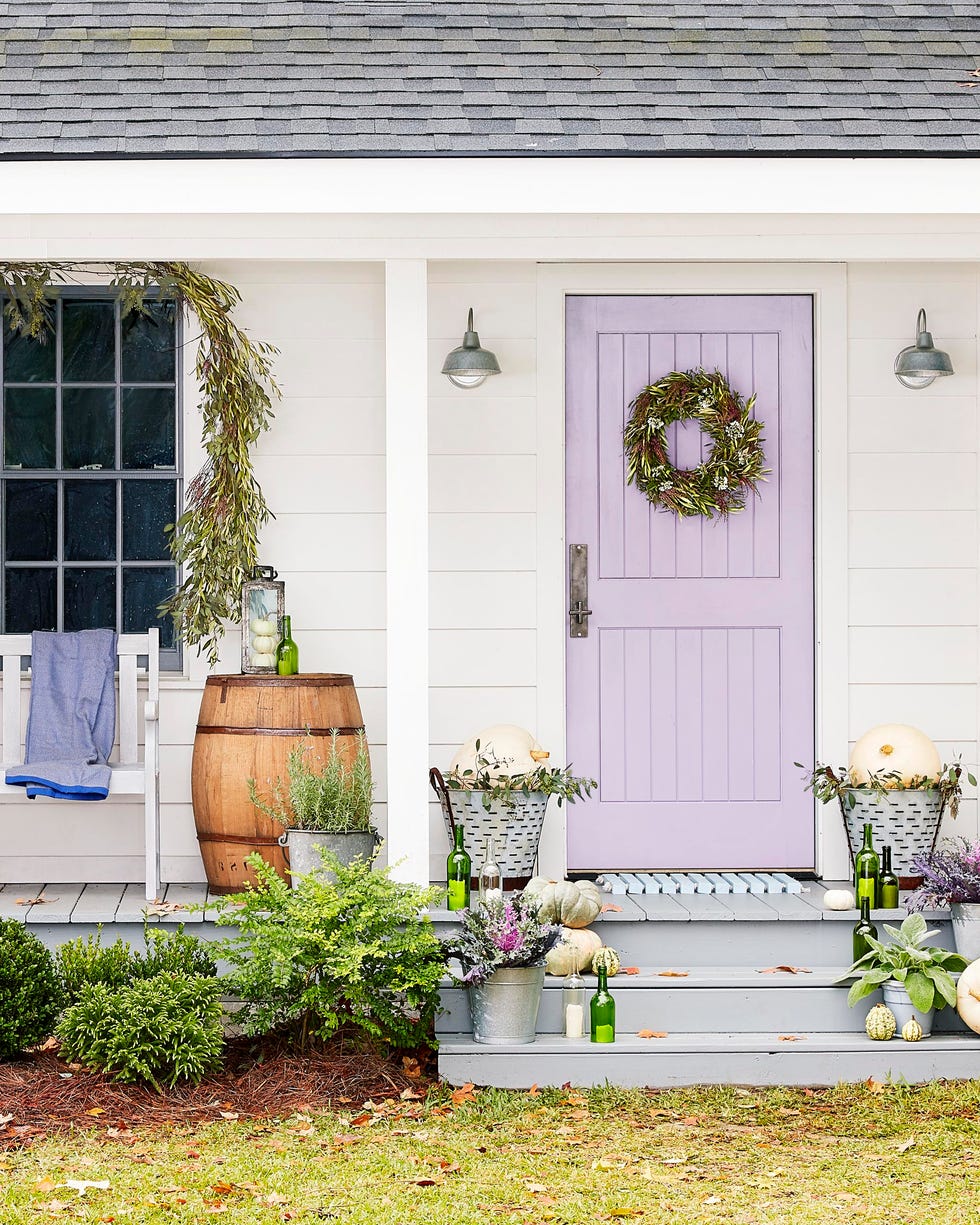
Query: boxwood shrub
x=30 y=993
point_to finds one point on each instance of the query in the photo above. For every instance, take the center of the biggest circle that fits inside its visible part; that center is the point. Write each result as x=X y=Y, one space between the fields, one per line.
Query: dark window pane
x=28 y=427
x=90 y=521
x=88 y=342
x=148 y=344
x=90 y=598
x=149 y=427
x=88 y=427
x=143 y=591
x=26 y=359
x=31 y=600
x=148 y=507
x=31 y=520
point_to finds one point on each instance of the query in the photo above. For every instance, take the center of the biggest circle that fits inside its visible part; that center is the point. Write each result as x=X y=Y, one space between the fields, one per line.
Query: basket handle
x=438 y=785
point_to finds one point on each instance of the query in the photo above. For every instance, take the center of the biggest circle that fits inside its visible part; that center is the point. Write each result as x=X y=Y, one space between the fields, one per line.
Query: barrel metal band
x=239 y=839
x=279 y=731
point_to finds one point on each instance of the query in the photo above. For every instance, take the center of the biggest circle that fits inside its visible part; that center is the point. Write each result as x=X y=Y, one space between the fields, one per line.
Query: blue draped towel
x=72 y=720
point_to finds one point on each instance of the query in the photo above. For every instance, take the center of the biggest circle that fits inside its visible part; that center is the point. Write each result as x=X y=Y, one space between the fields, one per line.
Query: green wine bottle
x=602 y=1011
x=862 y=929
x=867 y=871
x=887 y=882
x=458 y=870
x=287 y=652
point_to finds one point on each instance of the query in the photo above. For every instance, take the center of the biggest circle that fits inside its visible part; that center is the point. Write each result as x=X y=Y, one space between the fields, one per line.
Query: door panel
x=692 y=695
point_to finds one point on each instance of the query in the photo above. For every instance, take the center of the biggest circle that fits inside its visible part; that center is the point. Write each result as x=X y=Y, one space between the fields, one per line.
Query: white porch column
x=407 y=540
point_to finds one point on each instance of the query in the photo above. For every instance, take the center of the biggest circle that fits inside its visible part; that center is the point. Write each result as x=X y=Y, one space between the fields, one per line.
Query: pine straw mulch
x=40 y=1093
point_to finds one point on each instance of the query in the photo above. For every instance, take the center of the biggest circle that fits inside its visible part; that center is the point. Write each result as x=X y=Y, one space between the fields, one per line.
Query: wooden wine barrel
x=246 y=729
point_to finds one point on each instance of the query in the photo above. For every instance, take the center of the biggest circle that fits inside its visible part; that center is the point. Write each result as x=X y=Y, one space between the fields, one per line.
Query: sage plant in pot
x=326 y=802
x=951 y=877
x=916 y=979
x=501 y=948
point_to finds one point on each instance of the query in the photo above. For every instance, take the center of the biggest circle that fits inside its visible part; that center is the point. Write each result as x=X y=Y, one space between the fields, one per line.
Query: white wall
x=913 y=528
x=913 y=507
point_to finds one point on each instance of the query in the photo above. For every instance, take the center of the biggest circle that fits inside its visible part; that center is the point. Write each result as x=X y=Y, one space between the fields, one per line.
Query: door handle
x=578 y=591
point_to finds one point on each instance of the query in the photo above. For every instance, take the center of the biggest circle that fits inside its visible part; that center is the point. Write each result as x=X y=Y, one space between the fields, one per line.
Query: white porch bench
x=129 y=775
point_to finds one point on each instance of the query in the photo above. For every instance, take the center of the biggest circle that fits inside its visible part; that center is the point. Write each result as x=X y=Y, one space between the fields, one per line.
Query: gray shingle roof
x=143 y=78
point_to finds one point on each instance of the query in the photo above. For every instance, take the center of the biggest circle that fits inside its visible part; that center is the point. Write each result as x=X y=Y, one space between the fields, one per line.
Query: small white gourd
x=262 y=625
x=838 y=899
x=262 y=660
x=263 y=643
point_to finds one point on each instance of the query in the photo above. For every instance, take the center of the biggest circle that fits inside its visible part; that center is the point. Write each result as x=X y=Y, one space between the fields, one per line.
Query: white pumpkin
x=510 y=748
x=262 y=625
x=968 y=996
x=574 y=951
x=261 y=659
x=571 y=903
x=838 y=899
x=263 y=643
x=894 y=748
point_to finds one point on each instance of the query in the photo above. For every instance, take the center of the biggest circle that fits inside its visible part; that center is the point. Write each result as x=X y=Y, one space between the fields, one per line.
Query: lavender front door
x=692 y=696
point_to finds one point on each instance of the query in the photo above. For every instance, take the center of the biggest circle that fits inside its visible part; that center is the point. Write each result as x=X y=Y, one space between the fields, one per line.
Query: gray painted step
x=738 y=998
x=698 y=1059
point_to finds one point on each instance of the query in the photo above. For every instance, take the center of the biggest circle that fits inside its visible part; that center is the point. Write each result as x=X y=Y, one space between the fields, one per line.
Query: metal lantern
x=263 y=601
x=920 y=364
x=470 y=364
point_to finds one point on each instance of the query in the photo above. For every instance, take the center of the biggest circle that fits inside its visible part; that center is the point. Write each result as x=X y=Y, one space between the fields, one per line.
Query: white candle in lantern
x=574 y=1020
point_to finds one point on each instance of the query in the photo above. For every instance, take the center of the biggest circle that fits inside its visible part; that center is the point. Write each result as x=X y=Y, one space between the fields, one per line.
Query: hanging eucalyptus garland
x=735 y=465
x=216 y=536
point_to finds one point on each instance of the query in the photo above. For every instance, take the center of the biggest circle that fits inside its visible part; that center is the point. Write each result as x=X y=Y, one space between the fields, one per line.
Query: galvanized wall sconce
x=470 y=364
x=263 y=603
x=920 y=364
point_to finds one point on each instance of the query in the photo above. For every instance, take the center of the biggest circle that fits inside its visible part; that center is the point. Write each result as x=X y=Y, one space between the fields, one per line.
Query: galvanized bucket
x=897 y=999
x=504 y=1009
x=301 y=852
x=966 y=929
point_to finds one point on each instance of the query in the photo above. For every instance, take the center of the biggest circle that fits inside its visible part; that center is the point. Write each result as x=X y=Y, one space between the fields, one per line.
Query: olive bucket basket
x=515 y=828
x=907 y=821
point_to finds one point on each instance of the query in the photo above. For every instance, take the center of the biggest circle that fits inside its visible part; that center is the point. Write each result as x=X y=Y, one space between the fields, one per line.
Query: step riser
x=882 y=1061
x=707 y=1010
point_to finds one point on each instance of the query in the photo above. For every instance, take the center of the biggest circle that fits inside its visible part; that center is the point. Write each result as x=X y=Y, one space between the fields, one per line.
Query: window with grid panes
x=91 y=470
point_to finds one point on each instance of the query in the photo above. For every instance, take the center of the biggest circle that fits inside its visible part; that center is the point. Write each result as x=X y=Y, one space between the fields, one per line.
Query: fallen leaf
x=411 y=1067
x=611 y=906
x=424 y=1182
x=906 y=1145
x=5 y=1119
x=156 y=907
x=874 y=1086
x=791 y=1038
x=465 y=1093
x=46 y=1185
x=229 y=1114
x=409 y=1095
x=674 y=974
x=786 y=970
x=49 y=1044
x=533 y=1091
x=33 y=901
x=630 y=970
x=536 y=1188
x=713 y=1199
x=96 y=1110
x=579 y=1114
x=273 y=1199
x=652 y=1033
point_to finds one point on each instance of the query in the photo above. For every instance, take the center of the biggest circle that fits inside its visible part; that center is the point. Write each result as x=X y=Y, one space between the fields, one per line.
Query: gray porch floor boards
x=97 y=903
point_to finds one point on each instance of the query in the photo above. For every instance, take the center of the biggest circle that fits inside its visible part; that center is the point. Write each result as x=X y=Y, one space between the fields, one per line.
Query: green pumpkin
x=607 y=959
x=571 y=903
x=912 y=1030
x=880 y=1023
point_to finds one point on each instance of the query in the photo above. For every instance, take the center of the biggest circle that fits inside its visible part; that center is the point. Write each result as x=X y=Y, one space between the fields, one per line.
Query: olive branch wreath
x=215 y=537
x=718 y=485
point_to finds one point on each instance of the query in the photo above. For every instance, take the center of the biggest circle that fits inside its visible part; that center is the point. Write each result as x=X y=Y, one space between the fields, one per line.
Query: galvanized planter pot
x=504 y=1009
x=515 y=831
x=966 y=929
x=301 y=844
x=897 y=999
x=907 y=821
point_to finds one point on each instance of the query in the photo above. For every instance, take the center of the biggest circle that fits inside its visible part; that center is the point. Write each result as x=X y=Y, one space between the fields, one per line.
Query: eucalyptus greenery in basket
x=498 y=787
x=830 y=783
x=335 y=799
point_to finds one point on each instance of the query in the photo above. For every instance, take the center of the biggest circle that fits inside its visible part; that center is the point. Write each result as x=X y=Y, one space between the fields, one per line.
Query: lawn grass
x=871 y=1153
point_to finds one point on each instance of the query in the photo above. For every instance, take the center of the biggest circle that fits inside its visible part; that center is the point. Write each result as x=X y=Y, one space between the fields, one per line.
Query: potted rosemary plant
x=325 y=803
x=501 y=948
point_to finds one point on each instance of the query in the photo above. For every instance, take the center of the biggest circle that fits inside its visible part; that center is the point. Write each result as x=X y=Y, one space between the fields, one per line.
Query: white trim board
x=828 y=285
